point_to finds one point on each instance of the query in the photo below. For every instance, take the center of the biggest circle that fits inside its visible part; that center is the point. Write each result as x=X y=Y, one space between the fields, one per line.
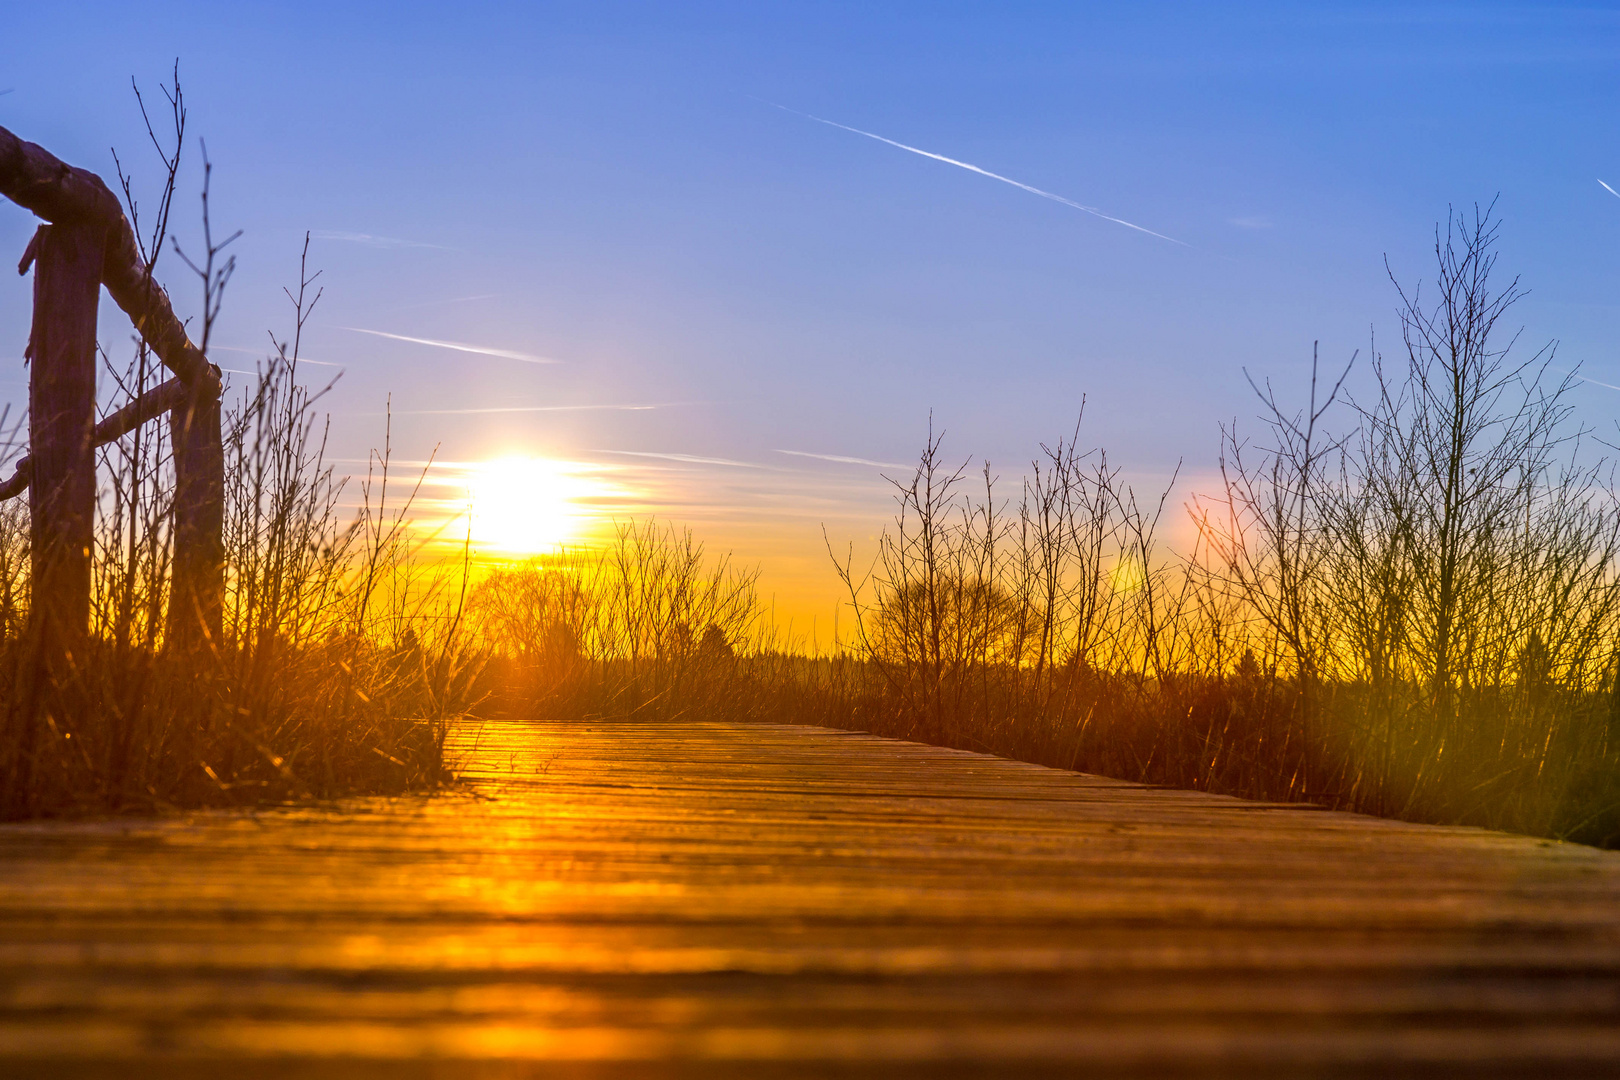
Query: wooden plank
x=708 y=899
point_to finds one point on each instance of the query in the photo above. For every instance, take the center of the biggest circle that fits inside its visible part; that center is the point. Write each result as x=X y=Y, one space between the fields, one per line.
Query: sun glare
x=525 y=505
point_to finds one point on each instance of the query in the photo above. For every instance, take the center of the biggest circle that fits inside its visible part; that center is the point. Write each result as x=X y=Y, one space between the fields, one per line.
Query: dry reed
x=1408 y=605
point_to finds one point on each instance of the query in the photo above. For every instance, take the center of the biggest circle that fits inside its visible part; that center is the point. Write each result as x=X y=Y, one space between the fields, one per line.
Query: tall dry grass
x=342 y=656
x=1408 y=605
x=337 y=672
x=646 y=626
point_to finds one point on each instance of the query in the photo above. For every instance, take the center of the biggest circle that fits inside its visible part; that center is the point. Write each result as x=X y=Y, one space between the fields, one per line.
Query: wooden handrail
x=35 y=179
x=60 y=471
x=150 y=405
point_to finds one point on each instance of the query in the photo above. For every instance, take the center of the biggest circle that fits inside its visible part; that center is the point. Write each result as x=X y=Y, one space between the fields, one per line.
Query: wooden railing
x=87 y=243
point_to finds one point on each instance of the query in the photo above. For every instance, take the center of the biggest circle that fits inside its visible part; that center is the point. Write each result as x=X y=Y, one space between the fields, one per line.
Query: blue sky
x=613 y=187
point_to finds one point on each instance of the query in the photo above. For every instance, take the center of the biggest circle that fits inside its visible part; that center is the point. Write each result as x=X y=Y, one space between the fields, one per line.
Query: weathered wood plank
x=709 y=899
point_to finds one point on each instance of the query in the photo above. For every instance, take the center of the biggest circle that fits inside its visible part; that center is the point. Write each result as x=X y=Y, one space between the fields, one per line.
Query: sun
x=525 y=505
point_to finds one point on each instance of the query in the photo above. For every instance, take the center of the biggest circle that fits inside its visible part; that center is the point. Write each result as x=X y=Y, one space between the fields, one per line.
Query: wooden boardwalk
x=703 y=900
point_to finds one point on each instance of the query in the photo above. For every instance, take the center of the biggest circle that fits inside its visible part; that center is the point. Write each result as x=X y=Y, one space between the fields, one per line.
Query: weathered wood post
x=89 y=243
x=197 y=587
x=67 y=258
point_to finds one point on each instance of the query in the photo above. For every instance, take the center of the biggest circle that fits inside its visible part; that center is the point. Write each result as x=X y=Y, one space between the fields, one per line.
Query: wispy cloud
x=840 y=459
x=686 y=459
x=1092 y=210
x=458 y=346
x=1597 y=382
x=373 y=241
x=1576 y=375
x=529 y=409
x=266 y=354
x=1610 y=190
x=404 y=463
x=441 y=303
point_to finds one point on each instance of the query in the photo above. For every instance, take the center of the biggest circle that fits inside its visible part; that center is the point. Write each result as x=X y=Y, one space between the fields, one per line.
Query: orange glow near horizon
x=524 y=505
x=527 y=506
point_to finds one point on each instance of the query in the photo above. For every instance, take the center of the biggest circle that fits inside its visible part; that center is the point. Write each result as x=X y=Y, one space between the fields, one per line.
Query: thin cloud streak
x=1596 y=382
x=845 y=460
x=1092 y=210
x=266 y=354
x=527 y=409
x=1610 y=190
x=441 y=303
x=373 y=241
x=1577 y=376
x=687 y=459
x=457 y=346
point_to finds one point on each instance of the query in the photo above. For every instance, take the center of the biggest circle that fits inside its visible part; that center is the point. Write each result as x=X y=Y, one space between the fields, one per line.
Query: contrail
x=985 y=172
x=1577 y=376
x=687 y=459
x=1597 y=382
x=373 y=241
x=269 y=355
x=440 y=303
x=1610 y=190
x=458 y=346
x=522 y=409
x=845 y=460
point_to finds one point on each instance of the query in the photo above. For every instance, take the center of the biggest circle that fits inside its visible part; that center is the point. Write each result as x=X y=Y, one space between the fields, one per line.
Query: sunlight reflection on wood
x=704 y=893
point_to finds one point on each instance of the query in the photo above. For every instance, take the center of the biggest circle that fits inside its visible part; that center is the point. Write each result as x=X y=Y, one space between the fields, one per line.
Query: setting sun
x=525 y=505
x=810 y=539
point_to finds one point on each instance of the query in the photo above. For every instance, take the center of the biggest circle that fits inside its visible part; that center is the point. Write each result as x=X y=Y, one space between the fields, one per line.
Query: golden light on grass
x=525 y=506
x=1127 y=576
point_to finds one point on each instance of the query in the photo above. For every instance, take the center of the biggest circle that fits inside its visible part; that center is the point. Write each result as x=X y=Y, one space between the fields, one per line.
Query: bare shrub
x=1416 y=615
x=341 y=658
x=648 y=625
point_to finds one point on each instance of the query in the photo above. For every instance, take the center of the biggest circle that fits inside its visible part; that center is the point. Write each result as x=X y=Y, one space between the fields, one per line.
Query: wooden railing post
x=197 y=590
x=90 y=243
x=68 y=258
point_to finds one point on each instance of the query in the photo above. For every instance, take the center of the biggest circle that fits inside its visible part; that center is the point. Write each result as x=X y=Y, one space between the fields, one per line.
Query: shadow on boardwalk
x=717 y=899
